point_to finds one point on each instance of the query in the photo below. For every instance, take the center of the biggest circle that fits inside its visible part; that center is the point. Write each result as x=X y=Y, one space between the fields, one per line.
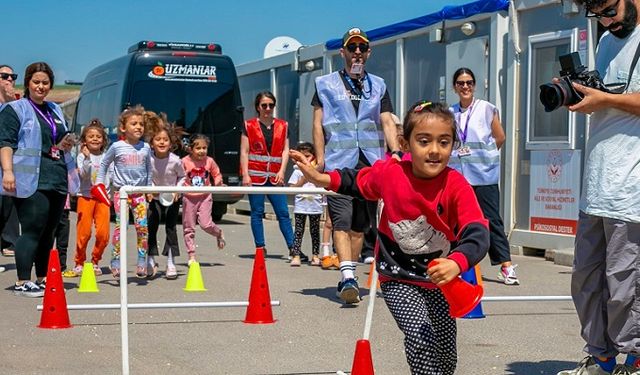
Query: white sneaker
x=587 y=366
x=508 y=275
x=2 y=269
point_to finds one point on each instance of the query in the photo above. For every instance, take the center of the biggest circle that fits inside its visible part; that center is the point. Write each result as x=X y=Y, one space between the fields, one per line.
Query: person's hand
x=594 y=100
x=67 y=142
x=8 y=181
x=246 y=180
x=85 y=151
x=443 y=270
x=280 y=178
x=308 y=170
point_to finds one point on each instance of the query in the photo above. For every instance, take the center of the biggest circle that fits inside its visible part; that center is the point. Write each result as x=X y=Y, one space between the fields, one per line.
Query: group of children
x=143 y=157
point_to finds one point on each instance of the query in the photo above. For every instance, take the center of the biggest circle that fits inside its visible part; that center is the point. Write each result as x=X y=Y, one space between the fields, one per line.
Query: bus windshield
x=199 y=94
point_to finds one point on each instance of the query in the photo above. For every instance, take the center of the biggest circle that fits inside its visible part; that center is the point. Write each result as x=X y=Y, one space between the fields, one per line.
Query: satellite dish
x=280 y=45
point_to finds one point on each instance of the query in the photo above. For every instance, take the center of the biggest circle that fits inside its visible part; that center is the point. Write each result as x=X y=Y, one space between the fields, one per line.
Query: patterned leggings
x=314 y=229
x=138 y=205
x=430 y=332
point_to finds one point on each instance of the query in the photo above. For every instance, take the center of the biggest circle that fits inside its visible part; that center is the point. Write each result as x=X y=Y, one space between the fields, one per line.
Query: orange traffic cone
x=259 y=309
x=461 y=295
x=362 y=360
x=54 y=313
x=371 y=277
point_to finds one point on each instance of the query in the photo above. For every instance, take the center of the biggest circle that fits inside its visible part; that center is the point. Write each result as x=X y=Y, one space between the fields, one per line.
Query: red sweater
x=423 y=219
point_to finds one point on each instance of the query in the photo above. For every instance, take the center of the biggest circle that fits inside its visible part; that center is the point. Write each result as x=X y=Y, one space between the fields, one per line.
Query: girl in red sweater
x=430 y=212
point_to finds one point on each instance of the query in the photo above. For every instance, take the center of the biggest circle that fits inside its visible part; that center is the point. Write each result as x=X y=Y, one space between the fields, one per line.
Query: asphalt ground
x=314 y=333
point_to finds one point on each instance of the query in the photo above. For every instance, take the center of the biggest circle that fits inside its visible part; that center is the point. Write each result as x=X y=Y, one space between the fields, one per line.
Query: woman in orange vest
x=264 y=152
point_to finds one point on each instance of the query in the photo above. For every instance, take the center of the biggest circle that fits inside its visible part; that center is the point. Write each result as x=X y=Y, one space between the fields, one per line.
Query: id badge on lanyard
x=465 y=150
x=54 y=152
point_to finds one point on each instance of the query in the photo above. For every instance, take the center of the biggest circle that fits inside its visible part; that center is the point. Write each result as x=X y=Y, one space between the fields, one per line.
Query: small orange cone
x=259 y=309
x=54 y=313
x=371 y=276
x=362 y=360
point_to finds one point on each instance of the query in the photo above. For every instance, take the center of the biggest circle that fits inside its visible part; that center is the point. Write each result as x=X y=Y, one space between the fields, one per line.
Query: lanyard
x=48 y=118
x=354 y=88
x=463 y=135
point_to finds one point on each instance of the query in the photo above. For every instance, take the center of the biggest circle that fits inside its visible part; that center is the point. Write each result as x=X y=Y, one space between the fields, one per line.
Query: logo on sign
x=184 y=72
x=554 y=165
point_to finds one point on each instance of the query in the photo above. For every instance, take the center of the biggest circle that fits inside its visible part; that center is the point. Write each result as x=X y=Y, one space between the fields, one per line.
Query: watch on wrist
x=398 y=152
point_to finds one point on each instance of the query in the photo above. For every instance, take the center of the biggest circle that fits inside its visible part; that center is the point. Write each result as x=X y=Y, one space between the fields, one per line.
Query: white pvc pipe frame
x=124 y=218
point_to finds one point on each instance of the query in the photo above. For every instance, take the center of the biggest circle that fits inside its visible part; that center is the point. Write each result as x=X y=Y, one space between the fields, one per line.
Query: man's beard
x=628 y=23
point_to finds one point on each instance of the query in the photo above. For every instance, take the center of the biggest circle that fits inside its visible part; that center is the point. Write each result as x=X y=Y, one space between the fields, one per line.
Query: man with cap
x=351 y=121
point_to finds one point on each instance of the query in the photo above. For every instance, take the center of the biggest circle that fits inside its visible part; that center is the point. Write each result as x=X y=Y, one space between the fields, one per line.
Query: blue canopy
x=447 y=13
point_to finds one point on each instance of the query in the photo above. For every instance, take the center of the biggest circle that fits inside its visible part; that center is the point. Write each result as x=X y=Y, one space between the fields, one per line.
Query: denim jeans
x=279 y=203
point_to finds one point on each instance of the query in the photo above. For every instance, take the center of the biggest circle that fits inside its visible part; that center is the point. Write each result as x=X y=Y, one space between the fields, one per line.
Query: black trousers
x=39 y=215
x=314 y=230
x=62 y=239
x=170 y=222
x=489 y=200
x=9 y=225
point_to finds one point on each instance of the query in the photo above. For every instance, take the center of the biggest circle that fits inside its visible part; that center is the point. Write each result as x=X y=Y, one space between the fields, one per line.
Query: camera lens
x=551 y=96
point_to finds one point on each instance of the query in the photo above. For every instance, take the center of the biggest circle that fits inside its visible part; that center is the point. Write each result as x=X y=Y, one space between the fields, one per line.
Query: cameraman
x=606 y=270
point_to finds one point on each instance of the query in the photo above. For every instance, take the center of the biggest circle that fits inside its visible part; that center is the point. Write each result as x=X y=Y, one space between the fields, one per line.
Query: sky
x=74 y=36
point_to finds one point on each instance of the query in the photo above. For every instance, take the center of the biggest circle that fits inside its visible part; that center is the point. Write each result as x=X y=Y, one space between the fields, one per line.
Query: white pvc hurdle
x=124 y=218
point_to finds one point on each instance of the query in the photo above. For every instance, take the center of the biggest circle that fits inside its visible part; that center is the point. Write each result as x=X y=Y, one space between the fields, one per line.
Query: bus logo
x=184 y=72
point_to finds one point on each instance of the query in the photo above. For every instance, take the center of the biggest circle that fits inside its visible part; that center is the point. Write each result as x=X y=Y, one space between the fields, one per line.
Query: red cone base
x=362 y=360
x=54 y=313
x=259 y=309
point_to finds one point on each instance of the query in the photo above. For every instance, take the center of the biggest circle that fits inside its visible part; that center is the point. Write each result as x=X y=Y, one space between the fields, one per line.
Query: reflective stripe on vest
x=482 y=166
x=346 y=133
x=264 y=164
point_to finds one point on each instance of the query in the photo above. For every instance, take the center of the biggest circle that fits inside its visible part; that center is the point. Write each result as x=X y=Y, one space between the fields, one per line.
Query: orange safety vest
x=262 y=163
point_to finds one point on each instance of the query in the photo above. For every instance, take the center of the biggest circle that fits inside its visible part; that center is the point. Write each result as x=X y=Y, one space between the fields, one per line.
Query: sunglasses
x=6 y=76
x=267 y=105
x=352 y=47
x=469 y=83
x=610 y=12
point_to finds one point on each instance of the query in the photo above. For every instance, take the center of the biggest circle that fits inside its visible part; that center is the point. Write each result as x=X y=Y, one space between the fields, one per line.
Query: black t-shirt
x=385 y=101
x=53 y=173
x=266 y=132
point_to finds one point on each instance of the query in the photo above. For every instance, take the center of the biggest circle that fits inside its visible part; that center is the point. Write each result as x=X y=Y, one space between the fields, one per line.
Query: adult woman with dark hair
x=478 y=159
x=264 y=152
x=37 y=170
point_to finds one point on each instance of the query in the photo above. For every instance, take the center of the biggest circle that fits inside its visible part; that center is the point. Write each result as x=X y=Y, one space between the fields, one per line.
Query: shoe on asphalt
x=295 y=261
x=348 y=291
x=315 y=261
x=115 y=269
x=75 y=272
x=141 y=271
x=171 y=273
x=28 y=289
x=587 y=366
x=42 y=284
x=97 y=270
x=508 y=275
x=304 y=258
x=625 y=370
x=369 y=260
x=152 y=268
x=2 y=269
x=8 y=252
x=326 y=262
